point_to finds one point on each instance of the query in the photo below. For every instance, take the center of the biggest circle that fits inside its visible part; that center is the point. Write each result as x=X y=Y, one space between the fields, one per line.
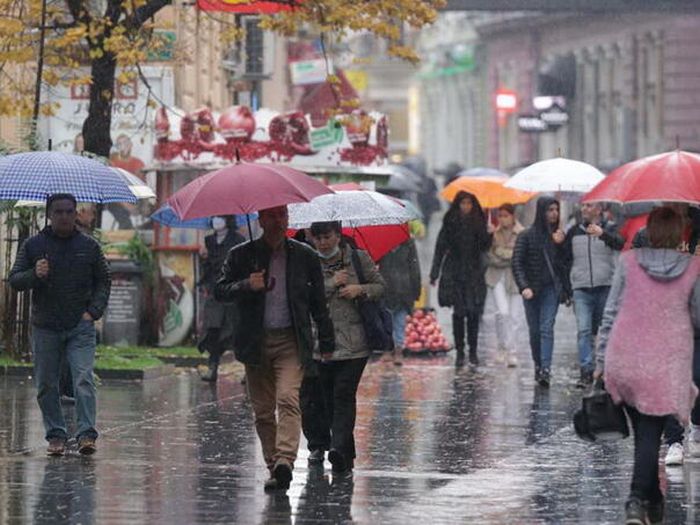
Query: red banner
x=245 y=7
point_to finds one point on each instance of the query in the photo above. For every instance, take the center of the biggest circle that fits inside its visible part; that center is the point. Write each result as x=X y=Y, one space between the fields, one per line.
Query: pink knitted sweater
x=648 y=362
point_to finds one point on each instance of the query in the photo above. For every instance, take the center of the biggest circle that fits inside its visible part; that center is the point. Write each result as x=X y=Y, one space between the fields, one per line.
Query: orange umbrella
x=489 y=190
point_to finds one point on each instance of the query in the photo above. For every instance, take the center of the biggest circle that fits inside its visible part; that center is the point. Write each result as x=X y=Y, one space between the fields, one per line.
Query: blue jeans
x=78 y=347
x=399 y=321
x=540 y=312
x=589 y=304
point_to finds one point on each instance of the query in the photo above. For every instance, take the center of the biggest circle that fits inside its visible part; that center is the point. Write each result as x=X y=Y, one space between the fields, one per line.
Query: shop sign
x=555 y=117
x=532 y=124
x=329 y=135
x=305 y=72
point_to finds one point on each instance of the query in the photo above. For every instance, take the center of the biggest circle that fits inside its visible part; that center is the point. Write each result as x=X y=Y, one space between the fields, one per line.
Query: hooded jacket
x=78 y=280
x=645 y=343
x=531 y=267
x=590 y=261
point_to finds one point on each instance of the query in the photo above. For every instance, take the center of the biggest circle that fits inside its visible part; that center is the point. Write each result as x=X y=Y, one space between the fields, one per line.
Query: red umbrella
x=669 y=177
x=244 y=188
x=379 y=240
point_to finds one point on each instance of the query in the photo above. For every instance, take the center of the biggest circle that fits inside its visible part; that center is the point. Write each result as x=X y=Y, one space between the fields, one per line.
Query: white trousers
x=509 y=316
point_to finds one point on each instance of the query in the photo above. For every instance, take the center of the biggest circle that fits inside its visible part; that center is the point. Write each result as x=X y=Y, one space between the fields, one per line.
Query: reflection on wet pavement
x=482 y=446
x=434 y=444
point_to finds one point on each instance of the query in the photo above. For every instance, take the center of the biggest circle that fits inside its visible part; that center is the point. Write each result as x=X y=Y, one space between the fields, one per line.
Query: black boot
x=458 y=334
x=473 y=360
x=212 y=373
x=473 y=337
x=459 y=362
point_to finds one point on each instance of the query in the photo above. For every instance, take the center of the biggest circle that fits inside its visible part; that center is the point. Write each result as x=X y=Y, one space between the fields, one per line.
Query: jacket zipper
x=590 y=260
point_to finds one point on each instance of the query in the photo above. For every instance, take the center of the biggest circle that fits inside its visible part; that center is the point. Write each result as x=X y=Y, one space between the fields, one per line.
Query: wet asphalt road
x=435 y=445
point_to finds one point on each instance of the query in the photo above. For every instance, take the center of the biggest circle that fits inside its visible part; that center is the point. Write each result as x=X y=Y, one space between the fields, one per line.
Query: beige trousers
x=274 y=386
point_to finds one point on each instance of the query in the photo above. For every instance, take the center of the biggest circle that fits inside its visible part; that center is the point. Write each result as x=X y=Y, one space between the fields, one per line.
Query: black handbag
x=599 y=418
x=376 y=319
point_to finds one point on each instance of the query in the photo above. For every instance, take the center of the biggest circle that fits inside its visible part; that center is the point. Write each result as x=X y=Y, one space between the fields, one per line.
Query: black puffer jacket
x=305 y=293
x=529 y=262
x=78 y=279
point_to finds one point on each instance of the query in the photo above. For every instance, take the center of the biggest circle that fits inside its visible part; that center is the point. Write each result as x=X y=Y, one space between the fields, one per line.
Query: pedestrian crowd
x=293 y=311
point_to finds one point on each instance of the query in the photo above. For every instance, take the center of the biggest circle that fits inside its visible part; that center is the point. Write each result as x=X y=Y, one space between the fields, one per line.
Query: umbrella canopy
x=556 y=175
x=353 y=208
x=490 y=191
x=35 y=175
x=244 y=188
x=379 y=240
x=138 y=187
x=668 y=177
x=403 y=179
x=166 y=216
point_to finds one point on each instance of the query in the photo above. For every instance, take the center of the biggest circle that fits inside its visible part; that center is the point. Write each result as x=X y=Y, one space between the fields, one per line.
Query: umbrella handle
x=250 y=236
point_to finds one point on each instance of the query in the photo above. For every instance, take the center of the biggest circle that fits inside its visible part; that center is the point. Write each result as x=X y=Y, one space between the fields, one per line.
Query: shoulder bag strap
x=357 y=265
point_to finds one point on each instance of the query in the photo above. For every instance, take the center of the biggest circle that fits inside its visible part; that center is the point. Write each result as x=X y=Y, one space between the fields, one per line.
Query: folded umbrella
x=668 y=177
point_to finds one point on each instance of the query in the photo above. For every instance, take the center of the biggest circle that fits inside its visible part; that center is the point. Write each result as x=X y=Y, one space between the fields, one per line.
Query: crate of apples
x=423 y=333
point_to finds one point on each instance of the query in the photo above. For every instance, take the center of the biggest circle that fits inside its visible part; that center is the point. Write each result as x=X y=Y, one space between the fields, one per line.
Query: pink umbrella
x=243 y=189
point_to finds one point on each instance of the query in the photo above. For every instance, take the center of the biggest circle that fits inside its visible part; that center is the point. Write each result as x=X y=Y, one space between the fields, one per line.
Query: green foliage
x=136 y=250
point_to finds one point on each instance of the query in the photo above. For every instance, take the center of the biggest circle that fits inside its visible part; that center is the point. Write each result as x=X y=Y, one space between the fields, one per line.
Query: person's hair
x=60 y=197
x=507 y=207
x=665 y=228
x=321 y=228
x=454 y=212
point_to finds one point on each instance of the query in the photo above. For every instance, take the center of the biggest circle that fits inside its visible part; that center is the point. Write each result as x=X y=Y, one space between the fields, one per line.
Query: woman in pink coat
x=645 y=349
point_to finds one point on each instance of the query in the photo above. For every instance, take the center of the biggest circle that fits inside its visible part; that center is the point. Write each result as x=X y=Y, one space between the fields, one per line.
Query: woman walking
x=340 y=376
x=499 y=279
x=645 y=349
x=459 y=263
x=540 y=272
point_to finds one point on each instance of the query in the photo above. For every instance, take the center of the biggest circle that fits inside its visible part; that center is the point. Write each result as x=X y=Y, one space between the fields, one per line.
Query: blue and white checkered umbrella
x=37 y=174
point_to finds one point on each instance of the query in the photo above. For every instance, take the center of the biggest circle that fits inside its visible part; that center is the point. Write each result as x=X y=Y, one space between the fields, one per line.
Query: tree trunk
x=98 y=124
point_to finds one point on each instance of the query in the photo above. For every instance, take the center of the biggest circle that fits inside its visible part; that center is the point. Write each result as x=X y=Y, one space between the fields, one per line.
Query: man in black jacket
x=277 y=286
x=70 y=284
x=590 y=251
x=540 y=273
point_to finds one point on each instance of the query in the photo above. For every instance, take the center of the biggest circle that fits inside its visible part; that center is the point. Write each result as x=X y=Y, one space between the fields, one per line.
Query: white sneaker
x=512 y=361
x=674 y=456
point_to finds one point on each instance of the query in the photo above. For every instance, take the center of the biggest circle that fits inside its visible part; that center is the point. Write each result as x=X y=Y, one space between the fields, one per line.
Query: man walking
x=69 y=278
x=277 y=286
x=590 y=251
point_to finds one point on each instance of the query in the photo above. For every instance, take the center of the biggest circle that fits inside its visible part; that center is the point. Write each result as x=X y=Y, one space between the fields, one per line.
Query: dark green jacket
x=78 y=279
x=305 y=294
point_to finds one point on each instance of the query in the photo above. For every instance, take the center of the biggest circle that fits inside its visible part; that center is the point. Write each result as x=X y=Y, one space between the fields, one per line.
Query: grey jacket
x=591 y=260
x=350 y=340
x=663 y=265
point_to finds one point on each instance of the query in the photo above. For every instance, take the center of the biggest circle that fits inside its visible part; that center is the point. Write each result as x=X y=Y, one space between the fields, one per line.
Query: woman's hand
x=350 y=291
x=527 y=294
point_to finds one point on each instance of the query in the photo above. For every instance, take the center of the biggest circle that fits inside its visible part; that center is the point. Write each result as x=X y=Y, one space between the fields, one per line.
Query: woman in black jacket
x=460 y=254
x=539 y=269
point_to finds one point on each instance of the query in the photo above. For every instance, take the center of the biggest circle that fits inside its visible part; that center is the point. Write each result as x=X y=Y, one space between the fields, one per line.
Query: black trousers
x=211 y=343
x=314 y=421
x=647 y=441
x=339 y=382
x=472 y=320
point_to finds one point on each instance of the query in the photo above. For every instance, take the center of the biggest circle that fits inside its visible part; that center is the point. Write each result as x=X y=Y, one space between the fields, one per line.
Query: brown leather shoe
x=87 y=446
x=57 y=447
x=398 y=356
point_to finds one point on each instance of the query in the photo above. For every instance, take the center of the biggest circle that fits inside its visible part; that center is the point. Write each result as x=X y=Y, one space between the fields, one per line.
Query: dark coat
x=401 y=271
x=305 y=294
x=529 y=262
x=78 y=279
x=217 y=314
x=460 y=262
